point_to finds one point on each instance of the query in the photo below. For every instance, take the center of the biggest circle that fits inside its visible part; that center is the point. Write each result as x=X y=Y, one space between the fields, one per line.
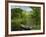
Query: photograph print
x=24 y=18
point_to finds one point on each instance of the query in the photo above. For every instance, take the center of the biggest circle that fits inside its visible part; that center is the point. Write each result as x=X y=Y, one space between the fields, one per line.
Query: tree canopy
x=20 y=17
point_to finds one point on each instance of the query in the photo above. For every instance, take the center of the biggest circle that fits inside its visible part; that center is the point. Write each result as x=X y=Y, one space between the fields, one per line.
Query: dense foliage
x=30 y=20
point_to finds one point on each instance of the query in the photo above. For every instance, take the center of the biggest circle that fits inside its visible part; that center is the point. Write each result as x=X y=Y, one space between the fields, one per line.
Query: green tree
x=36 y=16
x=16 y=18
x=16 y=12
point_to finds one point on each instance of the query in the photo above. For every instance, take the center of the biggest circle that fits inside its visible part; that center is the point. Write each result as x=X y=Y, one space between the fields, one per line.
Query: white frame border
x=24 y=32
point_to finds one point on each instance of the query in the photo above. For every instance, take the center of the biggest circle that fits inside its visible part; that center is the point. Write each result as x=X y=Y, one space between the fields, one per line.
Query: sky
x=25 y=8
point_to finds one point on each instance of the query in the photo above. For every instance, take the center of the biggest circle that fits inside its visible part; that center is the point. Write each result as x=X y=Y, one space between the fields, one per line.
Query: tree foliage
x=19 y=17
x=36 y=16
